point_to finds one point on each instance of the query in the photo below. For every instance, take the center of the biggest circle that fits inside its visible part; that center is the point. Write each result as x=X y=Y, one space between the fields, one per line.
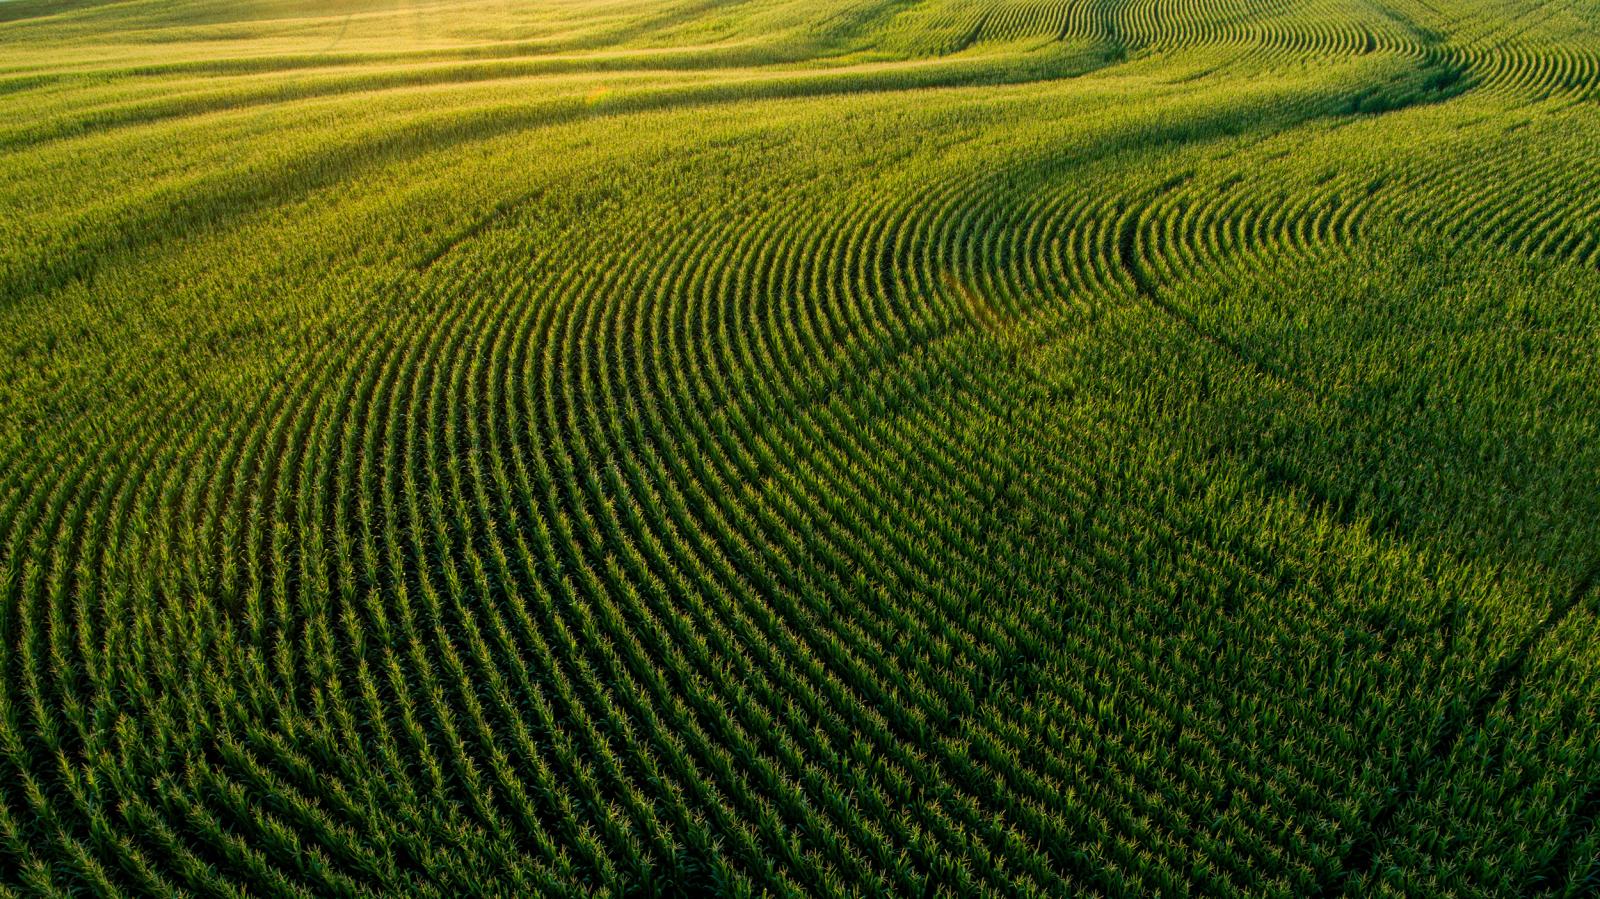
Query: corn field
x=927 y=448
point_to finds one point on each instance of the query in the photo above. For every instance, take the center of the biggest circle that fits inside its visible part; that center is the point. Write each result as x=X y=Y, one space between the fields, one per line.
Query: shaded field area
x=800 y=447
